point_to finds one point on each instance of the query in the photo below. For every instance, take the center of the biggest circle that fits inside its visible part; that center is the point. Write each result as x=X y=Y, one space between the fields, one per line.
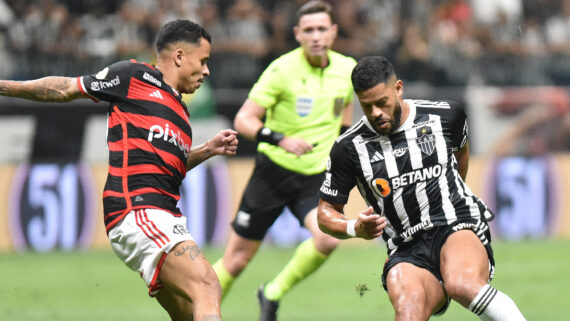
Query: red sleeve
x=83 y=91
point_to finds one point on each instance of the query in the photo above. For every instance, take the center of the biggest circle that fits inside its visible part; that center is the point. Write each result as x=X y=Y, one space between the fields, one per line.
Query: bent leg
x=191 y=288
x=464 y=266
x=415 y=292
x=179 y=308
x=465 y=271
x=308 y=257
x=237 y=255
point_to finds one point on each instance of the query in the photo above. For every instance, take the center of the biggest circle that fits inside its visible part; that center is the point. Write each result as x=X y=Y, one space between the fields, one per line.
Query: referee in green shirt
x=306 y=97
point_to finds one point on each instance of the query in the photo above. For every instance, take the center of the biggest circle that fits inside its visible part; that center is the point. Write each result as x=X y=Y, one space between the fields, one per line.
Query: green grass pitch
x=97 y=286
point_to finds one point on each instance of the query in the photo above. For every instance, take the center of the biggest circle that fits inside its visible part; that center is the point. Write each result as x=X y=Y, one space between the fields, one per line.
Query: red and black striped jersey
x=148 y=136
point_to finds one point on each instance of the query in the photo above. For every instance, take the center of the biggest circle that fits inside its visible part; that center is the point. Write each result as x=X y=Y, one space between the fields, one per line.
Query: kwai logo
x=156 y=131
x=98 y=85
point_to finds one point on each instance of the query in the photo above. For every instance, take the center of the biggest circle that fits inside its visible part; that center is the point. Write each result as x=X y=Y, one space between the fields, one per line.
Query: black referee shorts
x=270 y=189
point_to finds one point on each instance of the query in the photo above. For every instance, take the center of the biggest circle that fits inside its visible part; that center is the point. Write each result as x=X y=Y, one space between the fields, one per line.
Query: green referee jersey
x=304 y=101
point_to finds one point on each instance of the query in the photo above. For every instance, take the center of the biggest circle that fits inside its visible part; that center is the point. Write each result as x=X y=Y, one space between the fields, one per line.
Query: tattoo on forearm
x=193 y=251
x=50 y=89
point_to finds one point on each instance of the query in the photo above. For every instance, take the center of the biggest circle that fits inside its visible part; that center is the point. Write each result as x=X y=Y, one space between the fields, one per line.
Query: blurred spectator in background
x=7 y=17
x=557 y=31
x=442 y=42
x=412 y=56
x=99 y=38
x=353 y=29
x=280 y=25
x=241 y=46
x=132 y=34
x=454 y=46
x=541 y=122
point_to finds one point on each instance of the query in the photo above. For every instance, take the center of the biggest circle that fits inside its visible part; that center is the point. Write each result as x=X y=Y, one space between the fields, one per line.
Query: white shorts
x=143 y=239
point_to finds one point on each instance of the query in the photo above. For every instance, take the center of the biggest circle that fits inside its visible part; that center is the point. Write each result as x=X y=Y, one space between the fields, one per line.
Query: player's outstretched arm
x=48 y=89
x=332 y=221
x=224 y=143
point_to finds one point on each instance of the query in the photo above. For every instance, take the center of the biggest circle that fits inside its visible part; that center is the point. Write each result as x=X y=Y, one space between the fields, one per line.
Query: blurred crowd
x=440 y=42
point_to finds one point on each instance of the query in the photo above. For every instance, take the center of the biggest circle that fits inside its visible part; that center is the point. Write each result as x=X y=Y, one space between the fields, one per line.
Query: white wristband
x=350 y=228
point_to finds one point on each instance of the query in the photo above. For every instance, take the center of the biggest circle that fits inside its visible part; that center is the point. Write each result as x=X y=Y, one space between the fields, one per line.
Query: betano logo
x=416 y=176
x=383 y=188
x=156 y=131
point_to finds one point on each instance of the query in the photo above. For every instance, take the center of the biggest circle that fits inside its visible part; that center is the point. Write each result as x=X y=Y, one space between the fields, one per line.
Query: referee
x=305 y=96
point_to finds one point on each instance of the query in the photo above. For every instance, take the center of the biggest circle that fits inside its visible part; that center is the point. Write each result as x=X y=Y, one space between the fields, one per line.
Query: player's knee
x=237 y=263
x=410 y=304
x=205 y=288
x=461 y=287
x=213 y=285
x=325 y=243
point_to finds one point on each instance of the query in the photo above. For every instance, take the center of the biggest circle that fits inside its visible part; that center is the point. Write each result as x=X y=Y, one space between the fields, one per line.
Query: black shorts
x=424 y=251
x=270 y=189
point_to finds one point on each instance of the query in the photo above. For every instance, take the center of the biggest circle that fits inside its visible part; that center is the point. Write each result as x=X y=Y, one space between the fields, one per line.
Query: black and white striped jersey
x=411 y=176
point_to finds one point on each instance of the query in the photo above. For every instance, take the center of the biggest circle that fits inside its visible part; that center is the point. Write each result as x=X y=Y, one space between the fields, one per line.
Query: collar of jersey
x=311 y=67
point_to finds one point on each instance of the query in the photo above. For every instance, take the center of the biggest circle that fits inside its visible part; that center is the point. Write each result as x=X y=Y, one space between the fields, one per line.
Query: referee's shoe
x=268 y=308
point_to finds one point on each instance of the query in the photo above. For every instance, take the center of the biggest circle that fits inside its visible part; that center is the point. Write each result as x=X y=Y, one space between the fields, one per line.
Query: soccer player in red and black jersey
x=150 y=150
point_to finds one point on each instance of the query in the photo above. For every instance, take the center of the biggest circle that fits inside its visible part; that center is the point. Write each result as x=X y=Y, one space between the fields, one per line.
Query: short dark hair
x=315 y=6
x=180 y=30
x=370 y=71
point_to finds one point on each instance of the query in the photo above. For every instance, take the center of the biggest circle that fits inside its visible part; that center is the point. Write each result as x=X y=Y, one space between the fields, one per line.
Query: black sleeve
x=109 y=84
x=340 y=175
x=458 y=125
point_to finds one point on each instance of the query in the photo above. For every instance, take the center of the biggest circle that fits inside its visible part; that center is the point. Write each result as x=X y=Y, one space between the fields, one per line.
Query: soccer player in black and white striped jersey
x=409 y=160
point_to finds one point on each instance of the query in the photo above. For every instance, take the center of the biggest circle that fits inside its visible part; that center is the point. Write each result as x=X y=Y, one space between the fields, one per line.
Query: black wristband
x=267 y=135
x=343 y=129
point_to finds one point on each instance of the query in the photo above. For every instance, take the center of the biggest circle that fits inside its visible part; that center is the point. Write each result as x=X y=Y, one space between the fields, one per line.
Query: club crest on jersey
x=381 y=187
x=426 y=141
x=304 y=106
x=180 y=229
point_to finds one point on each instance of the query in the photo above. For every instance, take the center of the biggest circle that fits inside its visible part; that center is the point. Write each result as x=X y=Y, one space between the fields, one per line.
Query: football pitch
x=97 y=286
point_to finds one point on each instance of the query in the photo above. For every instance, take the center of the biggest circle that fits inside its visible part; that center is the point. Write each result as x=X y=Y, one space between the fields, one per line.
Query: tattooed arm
x=48 y=89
